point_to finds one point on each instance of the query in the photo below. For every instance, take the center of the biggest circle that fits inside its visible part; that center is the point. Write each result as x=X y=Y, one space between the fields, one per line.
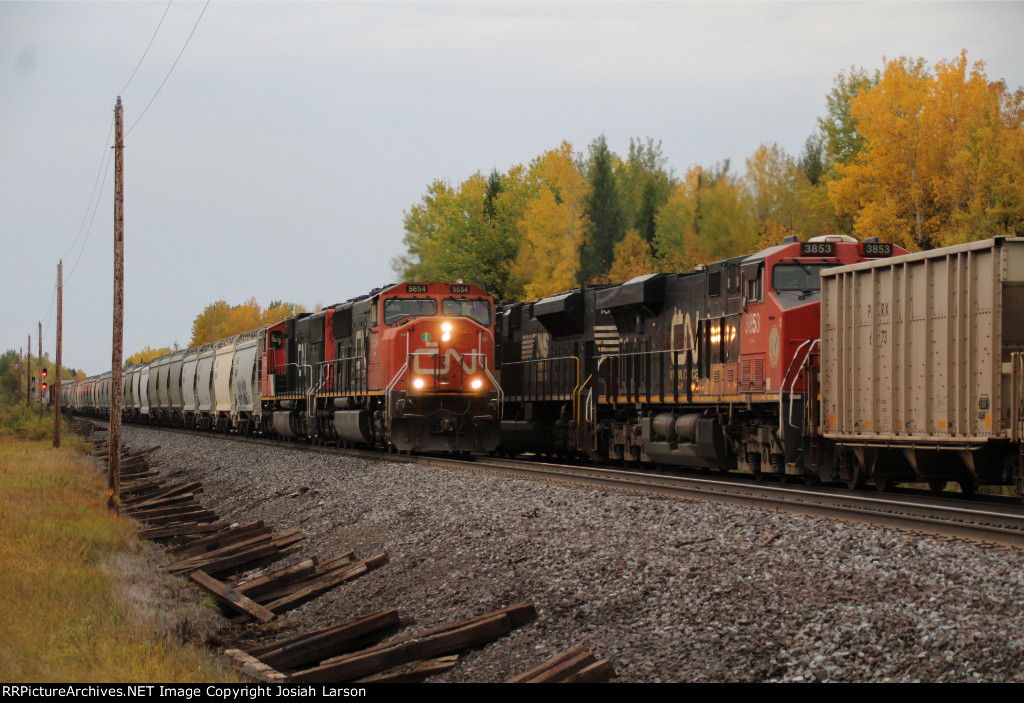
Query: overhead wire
x=95 y=210
x=106 y=151
x=104 y=168
x=147 y=47
x=143 y=113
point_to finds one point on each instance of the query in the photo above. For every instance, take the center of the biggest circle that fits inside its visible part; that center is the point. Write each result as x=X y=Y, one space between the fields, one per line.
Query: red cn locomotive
x=406 y=367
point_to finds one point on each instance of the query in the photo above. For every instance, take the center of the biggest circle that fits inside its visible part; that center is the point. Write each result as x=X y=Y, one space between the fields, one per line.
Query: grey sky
x=279 y=157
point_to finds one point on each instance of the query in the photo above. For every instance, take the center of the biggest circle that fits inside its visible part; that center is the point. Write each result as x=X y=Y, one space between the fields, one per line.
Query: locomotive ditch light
x=476 y=384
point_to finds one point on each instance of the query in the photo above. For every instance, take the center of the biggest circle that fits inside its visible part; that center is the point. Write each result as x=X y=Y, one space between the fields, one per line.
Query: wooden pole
x=41 y=367
x=57 y=372
x=28 y=375
x=116 y=380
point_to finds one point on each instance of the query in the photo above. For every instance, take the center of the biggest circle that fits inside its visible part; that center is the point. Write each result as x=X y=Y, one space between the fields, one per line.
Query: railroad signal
x=42 y=384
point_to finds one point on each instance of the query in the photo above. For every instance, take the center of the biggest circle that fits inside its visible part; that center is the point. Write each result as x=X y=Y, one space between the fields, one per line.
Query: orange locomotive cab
x=435 y=350
x=780 y=344
x=407 y=367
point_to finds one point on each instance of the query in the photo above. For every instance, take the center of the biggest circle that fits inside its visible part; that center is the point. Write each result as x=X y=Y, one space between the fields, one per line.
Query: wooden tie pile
x=213 y=555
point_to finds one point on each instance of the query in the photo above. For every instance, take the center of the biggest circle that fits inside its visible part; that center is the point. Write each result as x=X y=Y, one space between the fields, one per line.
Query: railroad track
x=988 y=521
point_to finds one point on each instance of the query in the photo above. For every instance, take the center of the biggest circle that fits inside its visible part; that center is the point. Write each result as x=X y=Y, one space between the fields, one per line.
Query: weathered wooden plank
x=367 y=662
x=277 y=578
x=193 y=516
x=232 y=597
x=180 y=529
x=598 y=672
x=254 y=667
x=166 y=491
x=413 y=672
x=214 y=541
x=564 y=668
x=550 y=664
x=229 y=561
x=313 y=647
x=158 y=503
x=518 y=615
x=256 y=538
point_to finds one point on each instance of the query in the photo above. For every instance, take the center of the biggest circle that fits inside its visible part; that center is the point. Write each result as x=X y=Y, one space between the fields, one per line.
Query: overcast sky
x=280 y=155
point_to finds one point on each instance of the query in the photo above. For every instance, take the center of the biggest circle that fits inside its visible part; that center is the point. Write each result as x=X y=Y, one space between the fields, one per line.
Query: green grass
x=60 y=617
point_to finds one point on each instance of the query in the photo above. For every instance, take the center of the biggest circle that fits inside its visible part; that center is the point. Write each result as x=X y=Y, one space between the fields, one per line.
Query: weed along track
x=240 y=566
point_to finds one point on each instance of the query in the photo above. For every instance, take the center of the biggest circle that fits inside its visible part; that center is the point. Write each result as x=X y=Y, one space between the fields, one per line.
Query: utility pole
x=57 y=374
x=21 y=367
x=28 y=375
x=116 y=380
x=40 y=369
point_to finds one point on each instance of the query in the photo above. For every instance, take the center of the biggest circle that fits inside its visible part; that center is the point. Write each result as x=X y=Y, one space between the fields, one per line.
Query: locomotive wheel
x=811 y=480
x=936 y=485
x=968 y=487
x=882 y=483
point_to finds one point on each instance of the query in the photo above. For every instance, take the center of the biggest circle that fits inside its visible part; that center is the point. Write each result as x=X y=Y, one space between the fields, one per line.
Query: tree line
x=916 y=155
x=220 y=320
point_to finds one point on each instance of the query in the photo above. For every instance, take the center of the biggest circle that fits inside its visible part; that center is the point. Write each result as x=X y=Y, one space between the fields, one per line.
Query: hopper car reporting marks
x=408 y=367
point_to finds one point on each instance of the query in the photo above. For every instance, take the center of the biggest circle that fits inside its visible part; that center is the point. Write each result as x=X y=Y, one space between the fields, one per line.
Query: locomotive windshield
x=798 y=277
x=397 y=309
x=478 y=310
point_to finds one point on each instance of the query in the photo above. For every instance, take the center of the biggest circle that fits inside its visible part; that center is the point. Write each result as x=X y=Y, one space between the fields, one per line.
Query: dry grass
x=65 y=614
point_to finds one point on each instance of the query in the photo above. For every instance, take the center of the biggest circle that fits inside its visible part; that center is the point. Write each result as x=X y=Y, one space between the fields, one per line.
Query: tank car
x=707 y=369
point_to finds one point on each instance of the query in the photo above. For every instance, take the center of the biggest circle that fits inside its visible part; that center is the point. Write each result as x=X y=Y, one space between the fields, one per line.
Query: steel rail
x=948 y=517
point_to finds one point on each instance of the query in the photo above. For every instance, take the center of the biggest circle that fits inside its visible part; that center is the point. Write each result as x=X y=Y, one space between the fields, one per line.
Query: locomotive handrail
x=601 y=359
x=554 y=358
x=578 y=400
x=1016 y=376
x=810 y=344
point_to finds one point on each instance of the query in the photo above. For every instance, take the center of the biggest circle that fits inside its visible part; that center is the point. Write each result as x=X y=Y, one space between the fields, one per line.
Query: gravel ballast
x=670 y=591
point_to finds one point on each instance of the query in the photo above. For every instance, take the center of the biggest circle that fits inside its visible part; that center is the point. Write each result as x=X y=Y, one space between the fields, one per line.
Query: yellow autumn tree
x=942 y=159
x=553 y=226
x=221 y=320
x=706 y=218
x=632 y=258
x=146 y=355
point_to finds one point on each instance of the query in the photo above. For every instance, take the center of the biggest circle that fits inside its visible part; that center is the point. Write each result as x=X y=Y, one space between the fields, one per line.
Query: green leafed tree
x=603 y=209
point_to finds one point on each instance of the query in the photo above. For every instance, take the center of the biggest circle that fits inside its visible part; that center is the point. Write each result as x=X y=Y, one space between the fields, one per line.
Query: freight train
x=831 y=360
x=408 y=367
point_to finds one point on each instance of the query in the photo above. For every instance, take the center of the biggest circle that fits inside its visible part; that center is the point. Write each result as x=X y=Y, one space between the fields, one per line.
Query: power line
x=106 y=153
x=95 y=210
x=147 y=48
x=129 y=131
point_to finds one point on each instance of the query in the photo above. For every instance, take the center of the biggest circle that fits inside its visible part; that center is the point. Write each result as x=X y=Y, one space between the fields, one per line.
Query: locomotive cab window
x=276 y=339
x=478 y=310
x=398 y=309
x=805 y=278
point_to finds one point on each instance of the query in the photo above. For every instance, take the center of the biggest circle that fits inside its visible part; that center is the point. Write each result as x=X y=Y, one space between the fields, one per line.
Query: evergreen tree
x=603 y=209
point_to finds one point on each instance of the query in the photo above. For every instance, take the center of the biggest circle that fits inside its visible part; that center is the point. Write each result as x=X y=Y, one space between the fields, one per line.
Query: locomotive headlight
x=418 y=383
x=476 y=384
x=446 y=327
x=446 y=337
